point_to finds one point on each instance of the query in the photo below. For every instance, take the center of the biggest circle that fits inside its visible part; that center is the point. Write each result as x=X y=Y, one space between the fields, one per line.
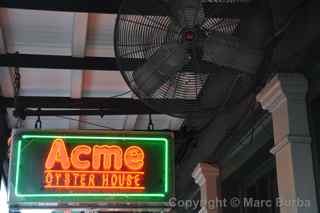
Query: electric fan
x=182 y=52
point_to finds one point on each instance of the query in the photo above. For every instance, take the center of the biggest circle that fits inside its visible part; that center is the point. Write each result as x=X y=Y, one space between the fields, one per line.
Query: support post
x=285 y=98
x=206 y=176
x=4 y=135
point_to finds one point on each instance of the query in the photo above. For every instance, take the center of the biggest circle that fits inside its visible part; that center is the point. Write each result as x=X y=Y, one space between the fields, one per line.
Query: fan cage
x=138 y=37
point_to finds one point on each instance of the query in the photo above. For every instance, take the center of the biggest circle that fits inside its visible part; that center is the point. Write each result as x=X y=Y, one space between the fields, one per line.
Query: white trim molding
x=207 y=177
x=285 y=97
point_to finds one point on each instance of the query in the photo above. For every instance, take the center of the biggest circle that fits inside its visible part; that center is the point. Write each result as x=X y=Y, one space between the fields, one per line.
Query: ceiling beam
x=59 y=62
x=78 y=63
x=78 y=113
x=145 y=7
x=125 y=105
x=79 y=43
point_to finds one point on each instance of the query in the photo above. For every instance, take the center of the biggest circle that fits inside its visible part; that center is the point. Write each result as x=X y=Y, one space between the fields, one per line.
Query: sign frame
x=18 y=199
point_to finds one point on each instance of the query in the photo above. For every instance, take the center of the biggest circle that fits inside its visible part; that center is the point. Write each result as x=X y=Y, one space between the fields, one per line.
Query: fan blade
x=215 y=89
x=227 y=50
x=225 y=87
x=159 y=68
x=188 y=13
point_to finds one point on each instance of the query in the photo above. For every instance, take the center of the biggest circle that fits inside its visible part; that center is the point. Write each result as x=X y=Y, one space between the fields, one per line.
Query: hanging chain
x=38 y=123
x=16 y=81
x=17 y=86
x=19 y=123
x=150 y=125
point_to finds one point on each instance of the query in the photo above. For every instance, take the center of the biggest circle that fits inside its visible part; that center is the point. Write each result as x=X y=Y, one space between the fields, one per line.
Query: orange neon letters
x=101 y=167
x=75 y=157
x=134 y=158
x=98 y=158
x=58 y=155
x=107 y=152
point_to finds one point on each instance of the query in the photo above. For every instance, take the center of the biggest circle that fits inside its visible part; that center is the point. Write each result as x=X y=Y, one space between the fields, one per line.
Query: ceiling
x=83 y=34
x=70 y=34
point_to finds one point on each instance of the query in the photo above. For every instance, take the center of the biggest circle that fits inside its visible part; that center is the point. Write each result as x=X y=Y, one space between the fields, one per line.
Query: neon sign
x=85 y=167
x=104 y=167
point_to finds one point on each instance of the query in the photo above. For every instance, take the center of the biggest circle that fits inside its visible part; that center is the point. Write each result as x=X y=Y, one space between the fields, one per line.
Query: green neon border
x=165 y=140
